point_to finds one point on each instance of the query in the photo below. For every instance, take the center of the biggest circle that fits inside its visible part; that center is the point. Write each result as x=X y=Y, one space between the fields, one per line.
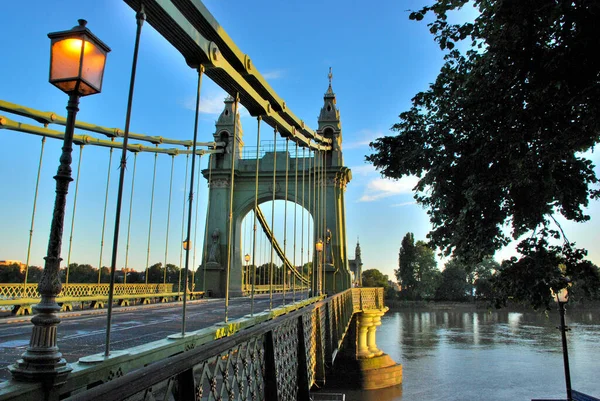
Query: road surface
x=82 y=333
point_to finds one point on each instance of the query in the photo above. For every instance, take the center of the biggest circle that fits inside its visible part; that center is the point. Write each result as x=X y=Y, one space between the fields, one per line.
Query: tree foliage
x=405 y=274
x=498 y=139
x=453 y=286
x=417 y=272
x=374 y=278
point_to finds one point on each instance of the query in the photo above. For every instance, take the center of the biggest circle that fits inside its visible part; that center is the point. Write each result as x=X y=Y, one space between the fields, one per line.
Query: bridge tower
x=228 y=131
x=337 y=273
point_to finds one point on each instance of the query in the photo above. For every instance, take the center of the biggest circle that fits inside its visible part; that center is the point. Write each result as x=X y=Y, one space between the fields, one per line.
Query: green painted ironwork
x=309 y=332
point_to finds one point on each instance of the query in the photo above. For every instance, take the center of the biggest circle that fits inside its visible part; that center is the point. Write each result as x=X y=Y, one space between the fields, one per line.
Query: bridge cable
x=150 y=218
x=337 y=193
x=295 y=218
x=185 y=180
x=324 y=218
x=35 y=196
x=287 y=163
x=140 y=17
x=310 y=218
x=104 y=214
x=73 y=215
x=204 y=252
x=321 y=220
x=273 y=218
x=230 y=222
x=304 y=206
x=258 y=119
x=326 y=236
x=186 y=243
x=195 y=242
x=129 y=219
x=168 y=218
x=316 y=224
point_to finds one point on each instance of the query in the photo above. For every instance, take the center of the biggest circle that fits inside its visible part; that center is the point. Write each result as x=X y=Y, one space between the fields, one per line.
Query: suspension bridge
x=274 y=225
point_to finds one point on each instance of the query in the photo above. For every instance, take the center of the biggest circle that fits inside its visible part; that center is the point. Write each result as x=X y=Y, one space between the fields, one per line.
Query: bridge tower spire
x=229 y=133
x=337 y=176
x=330 y=124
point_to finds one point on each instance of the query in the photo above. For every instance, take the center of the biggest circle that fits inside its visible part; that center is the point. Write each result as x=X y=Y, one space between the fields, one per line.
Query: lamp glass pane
x=93 y=65
x=66 y=55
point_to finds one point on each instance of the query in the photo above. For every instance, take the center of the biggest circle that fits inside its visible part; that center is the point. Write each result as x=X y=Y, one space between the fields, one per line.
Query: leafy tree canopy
x=374 y=278
x=405 y=274
x=498 y=139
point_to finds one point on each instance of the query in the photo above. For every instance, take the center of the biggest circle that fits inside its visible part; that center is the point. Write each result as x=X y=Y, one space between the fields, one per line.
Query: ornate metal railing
x=16 y=291
x=20 y=297
x=367 y=298
x=279 y=355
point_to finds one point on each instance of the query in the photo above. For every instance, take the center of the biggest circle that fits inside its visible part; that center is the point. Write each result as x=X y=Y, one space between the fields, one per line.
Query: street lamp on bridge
x=247 y=275
x=77 y=60
x=319 y=248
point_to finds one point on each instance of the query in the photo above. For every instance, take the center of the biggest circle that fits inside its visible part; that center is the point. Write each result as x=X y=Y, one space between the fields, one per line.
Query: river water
x=471 y=354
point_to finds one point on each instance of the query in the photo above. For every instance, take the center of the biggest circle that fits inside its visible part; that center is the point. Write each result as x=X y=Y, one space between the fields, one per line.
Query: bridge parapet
x=16 y=291
x=367 y=298
x=278 y=354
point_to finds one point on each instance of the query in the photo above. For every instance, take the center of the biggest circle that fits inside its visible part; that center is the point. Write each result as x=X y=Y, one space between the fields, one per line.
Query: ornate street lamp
x=76 y=67
x=319 y=248
x=561 y=298
x=247 y=275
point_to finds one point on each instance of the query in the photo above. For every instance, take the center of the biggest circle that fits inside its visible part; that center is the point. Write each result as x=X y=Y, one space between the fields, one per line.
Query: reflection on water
x=468 y=354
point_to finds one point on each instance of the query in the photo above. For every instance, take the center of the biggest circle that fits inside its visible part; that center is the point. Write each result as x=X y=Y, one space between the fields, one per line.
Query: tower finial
x=330 y=75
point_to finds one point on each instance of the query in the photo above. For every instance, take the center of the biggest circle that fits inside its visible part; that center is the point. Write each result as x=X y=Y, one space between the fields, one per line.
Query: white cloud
x=404 y=204
x=362 y=139
x=212 y=103
x=363 y=170
x=382 y=188
x=275 y=74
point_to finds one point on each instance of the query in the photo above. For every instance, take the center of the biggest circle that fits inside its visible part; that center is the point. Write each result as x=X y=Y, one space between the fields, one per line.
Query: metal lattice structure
x=275 y=356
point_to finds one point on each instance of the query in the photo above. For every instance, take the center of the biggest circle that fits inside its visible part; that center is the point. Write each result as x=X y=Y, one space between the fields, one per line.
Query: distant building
x=356 y=267
x=394 y=285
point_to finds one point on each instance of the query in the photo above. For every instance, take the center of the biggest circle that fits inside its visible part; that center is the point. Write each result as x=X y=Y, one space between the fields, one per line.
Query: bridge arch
x=325 y=168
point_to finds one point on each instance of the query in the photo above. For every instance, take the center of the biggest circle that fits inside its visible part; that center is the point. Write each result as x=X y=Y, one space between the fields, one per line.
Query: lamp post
x=77 y=65
x=247 y=274
x=561 y=298
x=319 y=248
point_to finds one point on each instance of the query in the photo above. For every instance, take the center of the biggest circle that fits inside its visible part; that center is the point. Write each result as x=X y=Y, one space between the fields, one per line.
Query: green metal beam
x=89 y=140
x=186 y=25
x=49 y=117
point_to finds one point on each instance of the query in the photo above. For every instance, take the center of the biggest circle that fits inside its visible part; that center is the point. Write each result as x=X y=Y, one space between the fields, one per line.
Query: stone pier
x=361 y=364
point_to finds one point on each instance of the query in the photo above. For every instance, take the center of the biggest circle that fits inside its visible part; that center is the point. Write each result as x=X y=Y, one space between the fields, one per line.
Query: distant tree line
x=419 y=278
x=86 y=273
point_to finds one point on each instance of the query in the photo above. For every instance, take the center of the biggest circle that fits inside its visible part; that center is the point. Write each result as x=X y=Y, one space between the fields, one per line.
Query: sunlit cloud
x=275 y=74
x=404 y=204
x=212 y=103
x=382 y=188
x=362 y=139
x=363 y=170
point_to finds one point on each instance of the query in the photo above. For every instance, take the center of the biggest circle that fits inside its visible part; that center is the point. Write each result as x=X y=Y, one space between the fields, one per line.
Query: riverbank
x=467 y=306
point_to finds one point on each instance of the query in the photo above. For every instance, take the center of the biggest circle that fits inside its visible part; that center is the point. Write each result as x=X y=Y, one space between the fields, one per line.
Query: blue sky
x=380 y=59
